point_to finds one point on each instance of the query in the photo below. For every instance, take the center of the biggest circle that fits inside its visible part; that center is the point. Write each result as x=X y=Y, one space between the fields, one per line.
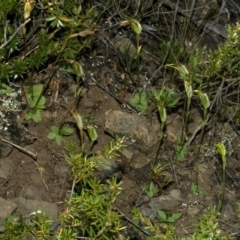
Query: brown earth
x=108 y=86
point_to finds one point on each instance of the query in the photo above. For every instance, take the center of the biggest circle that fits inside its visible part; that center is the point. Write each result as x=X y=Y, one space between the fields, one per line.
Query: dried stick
x=33 y=155
x=11 y=38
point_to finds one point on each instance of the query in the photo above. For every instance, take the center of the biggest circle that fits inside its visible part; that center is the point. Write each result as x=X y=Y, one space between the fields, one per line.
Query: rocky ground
x=29 y=183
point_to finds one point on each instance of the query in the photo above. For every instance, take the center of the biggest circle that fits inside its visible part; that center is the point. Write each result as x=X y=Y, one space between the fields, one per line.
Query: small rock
x=6 y=168
x=228 y=211
x=149 y=212
x=125 y=46
x=107 y=169
x=194 y=211
x=6 y=208
x=133 y=126
x=26 y=206
x=164 y=202
x=127 y=154
x=173 y=128
x=61 y=170
x=139 y=160
x=175 y=193
x=32 y=192
x=5 y=149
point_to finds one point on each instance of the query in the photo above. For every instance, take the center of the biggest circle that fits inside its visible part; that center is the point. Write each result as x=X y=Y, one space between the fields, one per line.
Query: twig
x=11 y=38
x=174 y=173
x=33 y=155
x=134 y=224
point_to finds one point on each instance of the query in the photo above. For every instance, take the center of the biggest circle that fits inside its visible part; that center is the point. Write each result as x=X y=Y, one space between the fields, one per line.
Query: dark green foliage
x=44 y=40
x=6 y=7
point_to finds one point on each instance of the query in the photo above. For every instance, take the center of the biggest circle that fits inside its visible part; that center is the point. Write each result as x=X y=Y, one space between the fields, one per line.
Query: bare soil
x=109 y=86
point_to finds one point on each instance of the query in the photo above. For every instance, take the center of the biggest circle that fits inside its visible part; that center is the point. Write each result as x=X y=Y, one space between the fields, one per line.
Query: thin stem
x=223 y=184
x=205 y=119
x=159 y=143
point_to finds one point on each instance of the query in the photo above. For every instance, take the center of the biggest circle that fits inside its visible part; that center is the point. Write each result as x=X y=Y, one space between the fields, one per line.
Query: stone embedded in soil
x=127 y=154
x=61 y=170
x=26 y=206
x=174 y=124
x=106 y=169
x=6 y=168
x=5 y=149
x=139 y=160
x=133 y=126
x=149 y=212
x=32 y=192
x=164 y=202
x=6 y=208
x=173 y=127
x=228 y=212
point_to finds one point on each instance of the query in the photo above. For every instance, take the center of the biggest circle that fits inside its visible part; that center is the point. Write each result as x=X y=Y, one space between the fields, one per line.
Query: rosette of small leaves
x=58 y=133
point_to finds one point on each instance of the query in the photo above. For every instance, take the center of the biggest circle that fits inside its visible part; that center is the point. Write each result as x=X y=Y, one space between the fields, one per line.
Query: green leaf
x=29 y=116
x=58 y=139
x=197 y=189
x=92 y=133
x=34 y=115
x=32 y=95
x=151 y=190
x=37 y=116
x=55 y=129
x=161 y=215
x=66 y=131
x=4 y=88
x=140 y=101
x=180 y=151
x=51 y=135
x=41 y=103
x=174 y=217
x=64 y=18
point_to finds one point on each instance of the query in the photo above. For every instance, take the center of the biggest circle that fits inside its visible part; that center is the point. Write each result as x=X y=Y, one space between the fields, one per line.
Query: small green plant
x=208 y=227
x=89 y=213
x=35 y=101
x=140 y=101
x=164 y=99
x=197 y=189
x=153 y=231
x=222 y=151
x=187 y=78
x=181 y=150
x=91 y=130
x=162 y=216
x=205 y=102
x=4 y=88
x=58 y=133
x=91 y=208
x=127 y=57
x=35 y=226
x=151 y=189
x=137 y=29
